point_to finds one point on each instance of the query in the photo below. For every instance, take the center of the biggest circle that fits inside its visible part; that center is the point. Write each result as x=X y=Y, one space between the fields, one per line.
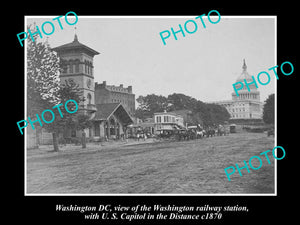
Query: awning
x=143 y=125
x=166 y=127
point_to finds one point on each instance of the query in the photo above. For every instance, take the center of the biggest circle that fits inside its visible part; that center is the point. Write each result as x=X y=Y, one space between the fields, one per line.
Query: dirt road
x=187 y=167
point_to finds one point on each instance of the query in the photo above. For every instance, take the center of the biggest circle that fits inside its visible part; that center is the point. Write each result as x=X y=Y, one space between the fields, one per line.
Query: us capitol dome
x=244 y=94
x=245 y=108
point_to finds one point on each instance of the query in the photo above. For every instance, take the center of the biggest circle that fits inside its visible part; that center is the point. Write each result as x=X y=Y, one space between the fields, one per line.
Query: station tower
x=77 y=65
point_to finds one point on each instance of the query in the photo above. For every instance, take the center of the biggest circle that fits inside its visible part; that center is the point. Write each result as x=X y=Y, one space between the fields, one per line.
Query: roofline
x=117 y=106
x=114 y=110
x=62 y=48
x=172 y=113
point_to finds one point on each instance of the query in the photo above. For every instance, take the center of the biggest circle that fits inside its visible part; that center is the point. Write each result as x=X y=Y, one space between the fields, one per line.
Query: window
x=89 y=97
x=71 y=66
x=158 y=119
x=165 y=119
x=77 y=66
x=87 y=67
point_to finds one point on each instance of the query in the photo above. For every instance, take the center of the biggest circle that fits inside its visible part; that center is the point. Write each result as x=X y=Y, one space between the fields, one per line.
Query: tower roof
x=244 y=74
x=75 y=45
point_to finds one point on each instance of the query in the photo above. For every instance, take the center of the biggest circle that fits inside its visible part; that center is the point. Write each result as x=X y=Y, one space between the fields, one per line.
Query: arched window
x=77 y=66
x=68 y=68
x=89 y=97
x=91 y=65
x=85 y=66
x=71 y=66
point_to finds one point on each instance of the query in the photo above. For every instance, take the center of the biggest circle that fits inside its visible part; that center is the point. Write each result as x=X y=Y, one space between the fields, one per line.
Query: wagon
x=232 y=128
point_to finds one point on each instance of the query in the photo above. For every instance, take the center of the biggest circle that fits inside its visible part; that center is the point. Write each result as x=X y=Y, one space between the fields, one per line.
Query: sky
x=203 y=65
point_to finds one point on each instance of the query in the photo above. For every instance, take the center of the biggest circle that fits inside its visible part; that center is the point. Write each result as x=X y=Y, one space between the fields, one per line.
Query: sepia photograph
x=150 y=105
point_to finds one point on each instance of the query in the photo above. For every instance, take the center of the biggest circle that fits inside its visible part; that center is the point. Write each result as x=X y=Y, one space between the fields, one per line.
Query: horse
x=210 y=132
x=191 y=134
x=185 y=135
x=200 y=134
x=221 y=130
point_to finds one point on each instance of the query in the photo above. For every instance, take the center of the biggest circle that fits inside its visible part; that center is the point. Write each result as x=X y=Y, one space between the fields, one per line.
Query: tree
x=218 y=114
x=68 y=90
x=150 y=104
x=179 y=101
x=42 y=76
x=269 y=110
x=44 y=90
x=209 y=114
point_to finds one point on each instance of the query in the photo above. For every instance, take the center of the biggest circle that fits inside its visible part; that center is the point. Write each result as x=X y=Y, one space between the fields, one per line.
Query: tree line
x=201 y=113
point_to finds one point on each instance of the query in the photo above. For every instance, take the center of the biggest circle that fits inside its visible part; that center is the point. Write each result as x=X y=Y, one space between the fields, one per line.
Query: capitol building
x=246 y=107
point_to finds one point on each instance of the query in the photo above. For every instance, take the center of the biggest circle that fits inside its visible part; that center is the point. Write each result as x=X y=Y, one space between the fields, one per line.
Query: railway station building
x=110 y=108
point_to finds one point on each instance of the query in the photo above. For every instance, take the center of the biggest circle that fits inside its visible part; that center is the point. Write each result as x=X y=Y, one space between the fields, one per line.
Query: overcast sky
x=203 y=65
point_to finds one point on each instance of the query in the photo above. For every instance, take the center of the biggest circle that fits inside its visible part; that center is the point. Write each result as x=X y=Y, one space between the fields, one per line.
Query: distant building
x=115 y=94
x=161 y=121
x=247 y=106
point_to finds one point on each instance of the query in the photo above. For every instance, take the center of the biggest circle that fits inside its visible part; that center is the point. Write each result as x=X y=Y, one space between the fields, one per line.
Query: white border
x=141 y=194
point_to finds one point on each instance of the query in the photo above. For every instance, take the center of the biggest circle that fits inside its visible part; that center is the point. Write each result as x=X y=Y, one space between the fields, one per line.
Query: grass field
x=187 y=167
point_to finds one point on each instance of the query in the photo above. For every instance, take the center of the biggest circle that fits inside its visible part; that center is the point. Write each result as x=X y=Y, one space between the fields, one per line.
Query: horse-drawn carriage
x=223 y=130
x=181 y=133
x=176 y=134
x=192 y=132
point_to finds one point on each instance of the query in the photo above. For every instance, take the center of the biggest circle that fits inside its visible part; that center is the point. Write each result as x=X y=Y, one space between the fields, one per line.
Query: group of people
x=141 y=136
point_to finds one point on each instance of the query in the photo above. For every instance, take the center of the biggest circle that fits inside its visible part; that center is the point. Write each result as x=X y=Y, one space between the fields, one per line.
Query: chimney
x=121 y=85
x=104 y=83
x=129 y=89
